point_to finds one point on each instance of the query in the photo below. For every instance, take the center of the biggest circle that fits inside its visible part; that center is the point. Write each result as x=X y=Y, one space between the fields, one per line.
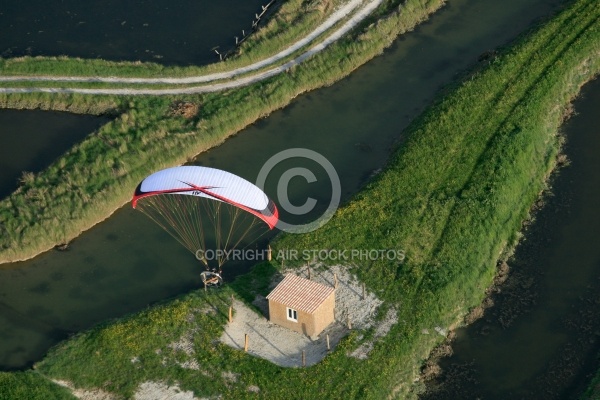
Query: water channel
x=185 y=32
x=541 y=339
x=31 y=140
x=126 y=263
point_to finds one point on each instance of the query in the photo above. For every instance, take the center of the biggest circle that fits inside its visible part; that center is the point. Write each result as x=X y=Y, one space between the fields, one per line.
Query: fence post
x=303 y=358
x=348 y=319
x=246 y=342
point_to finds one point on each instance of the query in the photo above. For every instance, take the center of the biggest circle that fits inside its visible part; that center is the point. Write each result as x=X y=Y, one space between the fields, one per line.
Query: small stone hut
x=302 y=305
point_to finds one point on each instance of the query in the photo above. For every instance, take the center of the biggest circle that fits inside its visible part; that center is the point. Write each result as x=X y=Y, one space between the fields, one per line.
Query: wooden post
x=204 y=286
x=230 y=314
x=246 y=342
x=363 y=291
x=328 y=346
x=335 y=281
x=269 y=251
x=303 y=358
x=348 y=319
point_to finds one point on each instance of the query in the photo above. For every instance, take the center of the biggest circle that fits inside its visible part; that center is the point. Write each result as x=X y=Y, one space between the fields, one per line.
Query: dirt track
x=348 y=9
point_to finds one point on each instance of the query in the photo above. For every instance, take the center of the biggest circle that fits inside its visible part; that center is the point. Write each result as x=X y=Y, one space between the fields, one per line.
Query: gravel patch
x=283 y=346
x=381 y=329
x=185 y=344
x=161 y=391
x=86 y=394
x=145 y=391
x=253 y=389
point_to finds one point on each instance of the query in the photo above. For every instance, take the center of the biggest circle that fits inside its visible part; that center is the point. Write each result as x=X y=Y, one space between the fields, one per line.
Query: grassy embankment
x=97 y=175
x=31 y=386
x=453 y=198
x=293 y=20
x=593 y=391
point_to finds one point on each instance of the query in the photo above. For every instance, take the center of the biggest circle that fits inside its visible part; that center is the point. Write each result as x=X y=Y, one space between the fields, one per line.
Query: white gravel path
x=145 y=391
x=336 y=17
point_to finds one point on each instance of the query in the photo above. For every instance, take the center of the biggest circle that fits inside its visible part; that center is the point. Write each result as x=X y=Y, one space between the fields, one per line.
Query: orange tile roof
x=300 y=294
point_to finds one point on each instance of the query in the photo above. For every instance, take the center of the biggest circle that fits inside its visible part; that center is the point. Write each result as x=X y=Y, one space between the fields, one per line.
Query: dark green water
x=180 y=32
x=126 y=263
x=31 y=140
x=542 y=337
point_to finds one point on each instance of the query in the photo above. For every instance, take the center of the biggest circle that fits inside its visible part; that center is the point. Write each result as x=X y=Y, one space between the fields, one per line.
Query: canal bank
x=540 y=339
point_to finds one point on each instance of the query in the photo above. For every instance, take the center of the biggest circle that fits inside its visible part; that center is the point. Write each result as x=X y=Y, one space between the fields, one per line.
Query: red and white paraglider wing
x=210 y=183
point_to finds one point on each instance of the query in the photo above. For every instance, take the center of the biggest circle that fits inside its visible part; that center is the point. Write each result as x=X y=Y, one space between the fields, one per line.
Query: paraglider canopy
x=211 y=183
x=203 y=207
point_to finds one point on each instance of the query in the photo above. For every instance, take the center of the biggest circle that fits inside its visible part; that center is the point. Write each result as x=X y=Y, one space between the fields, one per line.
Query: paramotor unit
x=211 y=278
x=209 y=211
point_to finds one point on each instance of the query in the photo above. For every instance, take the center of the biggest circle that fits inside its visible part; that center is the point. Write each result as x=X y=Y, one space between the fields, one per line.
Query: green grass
x=31 y=385
x=97 y=176
x=145 y=339
x=453 y=197
x=593 y=390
